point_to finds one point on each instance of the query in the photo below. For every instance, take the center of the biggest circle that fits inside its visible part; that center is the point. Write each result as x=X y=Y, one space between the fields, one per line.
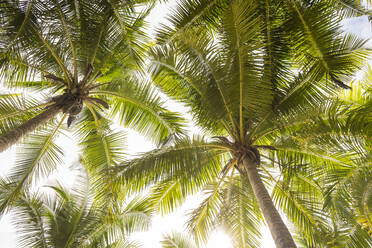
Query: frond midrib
x=75 y=76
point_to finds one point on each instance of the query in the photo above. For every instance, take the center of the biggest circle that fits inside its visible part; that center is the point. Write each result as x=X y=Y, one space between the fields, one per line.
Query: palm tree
x=69 y=218
x=81 y=57
x=71 y=45
x=254 y=82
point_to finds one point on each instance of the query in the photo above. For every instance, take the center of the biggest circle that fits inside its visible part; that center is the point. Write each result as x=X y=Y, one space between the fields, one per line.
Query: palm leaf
x=139 y=107
x=189 y=13
x=186 y=157
x=37 y=158
x=177 y=240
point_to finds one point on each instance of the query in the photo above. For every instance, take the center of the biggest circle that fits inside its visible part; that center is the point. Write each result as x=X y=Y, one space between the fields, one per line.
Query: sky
x=136 y=143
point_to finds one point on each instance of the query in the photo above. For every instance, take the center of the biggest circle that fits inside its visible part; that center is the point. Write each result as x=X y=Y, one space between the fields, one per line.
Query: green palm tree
x=72 y=60
x=257 y=83
x=70 y=45
x=69 y=218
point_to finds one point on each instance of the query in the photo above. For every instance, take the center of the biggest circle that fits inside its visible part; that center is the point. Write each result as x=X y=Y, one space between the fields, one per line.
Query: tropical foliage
x=73 y=60
x=70 y=218
x=269 y=83
x=259 y=77
x=177 y=240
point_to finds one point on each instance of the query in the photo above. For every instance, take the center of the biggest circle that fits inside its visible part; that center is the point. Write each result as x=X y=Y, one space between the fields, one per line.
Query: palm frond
x=177 y=240
x=319 y=45
x=350 y=8
x=70 y=218
x=136 y=215
x=230 y=203
x=190 y=13
x=140 y=107
x=102 y=148
x=16 y=108
x=362 y=197
x=240 y=216
x=67 y=31
x=187 y=157
x=28 y=218
x=303 y=209
x=203 y=219
x=37 y=157
x=193 y=68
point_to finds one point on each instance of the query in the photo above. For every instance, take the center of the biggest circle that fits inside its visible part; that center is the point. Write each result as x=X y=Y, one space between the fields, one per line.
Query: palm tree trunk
x=279 y=231
x=13 y=136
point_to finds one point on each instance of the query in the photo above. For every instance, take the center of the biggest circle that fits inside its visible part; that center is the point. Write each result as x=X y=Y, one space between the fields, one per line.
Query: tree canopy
x=285 y=125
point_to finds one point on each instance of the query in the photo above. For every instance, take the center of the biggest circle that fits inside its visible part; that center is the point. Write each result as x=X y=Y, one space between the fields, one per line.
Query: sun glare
x=219 y=239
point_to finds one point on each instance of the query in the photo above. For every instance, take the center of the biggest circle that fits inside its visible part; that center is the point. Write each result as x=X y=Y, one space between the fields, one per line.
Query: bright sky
x=136 y=143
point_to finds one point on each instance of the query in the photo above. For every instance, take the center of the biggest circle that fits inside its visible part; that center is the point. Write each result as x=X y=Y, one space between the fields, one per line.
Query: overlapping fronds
x=362 y=197
x=319 y=160
x=70 y=219
x=180 y=77
x=138 y=106
x=190 y=13
x=16 y=108
x=186 y=158
x=344 y=224
x=330 y=122
x=254 y=54
x=301 y=94
x=102 y=148
x=360 y=116
x=72 y=34
x=318 y=45
x=297 y=192
x=28 y=217
x=66 y=49
x=37 y=157
x=240 y=216
x=241 y=47
x=176 y=186
x=229 y=203
x=268 y=75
